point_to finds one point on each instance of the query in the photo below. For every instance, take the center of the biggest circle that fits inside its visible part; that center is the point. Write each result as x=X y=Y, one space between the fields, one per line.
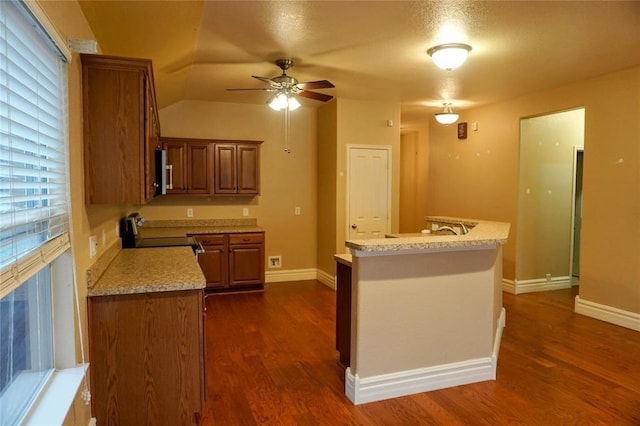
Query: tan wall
x=478 y=177
x=71 y=24
x=327 y=180
x=414 y=174
x=286 y=180
x=345 y=122
x=365 y=123
x=403 y=317
x=546 y=193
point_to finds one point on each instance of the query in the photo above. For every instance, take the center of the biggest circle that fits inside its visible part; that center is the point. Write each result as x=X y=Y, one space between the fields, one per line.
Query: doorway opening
x=576 y=215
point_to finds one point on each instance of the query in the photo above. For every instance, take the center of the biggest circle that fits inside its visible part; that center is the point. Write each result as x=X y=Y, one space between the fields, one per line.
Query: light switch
x=297 y=211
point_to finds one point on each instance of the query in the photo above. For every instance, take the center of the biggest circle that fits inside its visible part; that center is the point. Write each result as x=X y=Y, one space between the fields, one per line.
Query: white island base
x=424 y=317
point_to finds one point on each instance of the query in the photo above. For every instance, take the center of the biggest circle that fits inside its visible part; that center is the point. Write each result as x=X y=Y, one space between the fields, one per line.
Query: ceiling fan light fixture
x=282 y=101
x=447 y=116
x=449 y=56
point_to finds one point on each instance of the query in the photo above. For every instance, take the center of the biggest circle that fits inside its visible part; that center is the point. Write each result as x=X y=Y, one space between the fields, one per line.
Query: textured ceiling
x=370 y=50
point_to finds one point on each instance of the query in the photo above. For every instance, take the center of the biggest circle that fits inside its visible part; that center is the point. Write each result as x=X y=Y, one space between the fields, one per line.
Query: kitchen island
x=426 y=311
x=146 y=333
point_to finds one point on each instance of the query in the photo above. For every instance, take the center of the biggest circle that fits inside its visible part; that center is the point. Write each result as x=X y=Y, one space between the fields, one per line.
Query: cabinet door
x=245 y=265
x=224 y=169
x=117 y=94
x=246 y=259
x=248 y=169
x=213 y=262
x=198 y=168
x=176 y=164
x=213 y=259
x=167 y=342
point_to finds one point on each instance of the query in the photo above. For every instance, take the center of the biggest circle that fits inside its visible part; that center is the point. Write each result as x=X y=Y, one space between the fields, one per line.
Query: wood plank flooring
x=272 y=361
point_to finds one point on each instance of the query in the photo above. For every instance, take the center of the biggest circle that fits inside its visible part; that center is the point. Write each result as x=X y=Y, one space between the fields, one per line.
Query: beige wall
x=546 y=193
x=355 y=123
x=414 y=174
x=327 y=154
x=478 y=177
x=71 y=23
x=286 y=180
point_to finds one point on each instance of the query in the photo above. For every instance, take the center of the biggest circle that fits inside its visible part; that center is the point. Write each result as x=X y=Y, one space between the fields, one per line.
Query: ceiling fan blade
x=267 y=89
x=315 y=96
x=320 y=84
x=268 y=81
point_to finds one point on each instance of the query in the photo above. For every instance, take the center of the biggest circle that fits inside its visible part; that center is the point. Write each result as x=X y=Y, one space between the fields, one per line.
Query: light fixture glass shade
x=282 y=101
x=447 y=116
x=449 y=56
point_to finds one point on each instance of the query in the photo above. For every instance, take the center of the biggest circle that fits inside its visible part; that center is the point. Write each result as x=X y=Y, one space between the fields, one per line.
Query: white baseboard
x=531 y=286
x=608 y=313
x=326 y=279
x=393 y=385
x=291 y=275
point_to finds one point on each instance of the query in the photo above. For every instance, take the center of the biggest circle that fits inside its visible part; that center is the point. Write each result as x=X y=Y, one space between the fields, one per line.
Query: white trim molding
x=326 y=279
x=402 y=383
x=532 y=286
x=300 y=275
x=608 y=314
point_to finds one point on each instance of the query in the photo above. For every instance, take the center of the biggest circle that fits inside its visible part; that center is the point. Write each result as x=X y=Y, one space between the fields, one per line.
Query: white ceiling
x=370 y=50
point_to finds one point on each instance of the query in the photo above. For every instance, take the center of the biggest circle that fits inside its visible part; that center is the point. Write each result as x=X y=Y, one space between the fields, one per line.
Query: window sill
x=56 y=399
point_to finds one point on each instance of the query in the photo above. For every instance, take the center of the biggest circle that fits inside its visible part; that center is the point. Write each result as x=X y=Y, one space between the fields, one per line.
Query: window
x=33 y=201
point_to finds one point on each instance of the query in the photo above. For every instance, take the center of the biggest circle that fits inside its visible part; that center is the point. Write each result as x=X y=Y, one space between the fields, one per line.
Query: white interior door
x=369 y=189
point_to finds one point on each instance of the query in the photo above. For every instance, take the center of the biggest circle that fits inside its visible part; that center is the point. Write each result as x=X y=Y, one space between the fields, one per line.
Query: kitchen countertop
x=483 y=233
x=146 y=270
x=182 y=228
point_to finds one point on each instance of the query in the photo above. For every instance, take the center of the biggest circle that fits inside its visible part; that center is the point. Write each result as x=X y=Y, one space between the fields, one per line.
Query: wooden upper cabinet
x=189 y=165
x=237 y=168
x=121 y=129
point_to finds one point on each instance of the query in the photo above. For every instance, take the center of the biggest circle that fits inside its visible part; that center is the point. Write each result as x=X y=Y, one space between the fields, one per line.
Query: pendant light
x=447 y=116
x=449 y=56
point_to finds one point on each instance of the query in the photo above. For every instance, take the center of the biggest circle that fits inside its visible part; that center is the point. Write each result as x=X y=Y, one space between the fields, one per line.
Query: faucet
x=447 y=228
x=465 y=230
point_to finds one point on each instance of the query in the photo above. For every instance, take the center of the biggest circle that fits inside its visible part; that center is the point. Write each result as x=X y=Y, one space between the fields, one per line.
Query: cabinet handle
x=205 y=241
x=170 y=169
x=246 y=239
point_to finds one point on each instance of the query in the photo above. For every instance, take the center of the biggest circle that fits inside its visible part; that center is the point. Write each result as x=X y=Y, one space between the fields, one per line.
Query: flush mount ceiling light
x=447 y=116
x=449 y=56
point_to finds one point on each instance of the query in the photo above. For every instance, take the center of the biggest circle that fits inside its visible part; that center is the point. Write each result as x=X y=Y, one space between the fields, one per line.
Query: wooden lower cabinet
x=147 y=355
x=232 y=261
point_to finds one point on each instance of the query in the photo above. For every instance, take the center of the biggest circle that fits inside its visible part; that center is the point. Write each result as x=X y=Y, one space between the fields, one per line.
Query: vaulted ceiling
x=370 y=50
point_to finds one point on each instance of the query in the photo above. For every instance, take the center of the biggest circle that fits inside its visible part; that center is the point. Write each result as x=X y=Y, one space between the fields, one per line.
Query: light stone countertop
x=182 y=228
x=146 y=270
x=343 y=258
x=483 y=233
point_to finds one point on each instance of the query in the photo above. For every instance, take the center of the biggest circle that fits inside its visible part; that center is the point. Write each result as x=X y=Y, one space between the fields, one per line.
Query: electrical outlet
x=275 y=262
x=189 y=212
x=245 y=211
x=548 y=277
x=93 y=246
x=297 y=211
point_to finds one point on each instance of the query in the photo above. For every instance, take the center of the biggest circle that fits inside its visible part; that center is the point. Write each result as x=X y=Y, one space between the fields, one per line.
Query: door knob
x=354 y=226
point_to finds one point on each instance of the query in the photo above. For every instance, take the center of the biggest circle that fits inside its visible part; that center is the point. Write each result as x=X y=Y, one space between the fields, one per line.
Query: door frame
x=576 y=150
x=350 y=147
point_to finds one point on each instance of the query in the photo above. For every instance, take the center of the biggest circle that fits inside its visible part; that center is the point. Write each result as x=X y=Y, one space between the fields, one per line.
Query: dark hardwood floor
x=271 y=360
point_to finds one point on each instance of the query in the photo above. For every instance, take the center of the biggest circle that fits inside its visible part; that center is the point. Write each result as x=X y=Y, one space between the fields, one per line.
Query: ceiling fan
x=285 y=86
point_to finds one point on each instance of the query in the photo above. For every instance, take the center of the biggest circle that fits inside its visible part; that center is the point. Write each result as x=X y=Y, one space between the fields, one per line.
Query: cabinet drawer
x=246 y=238
x=210 y=239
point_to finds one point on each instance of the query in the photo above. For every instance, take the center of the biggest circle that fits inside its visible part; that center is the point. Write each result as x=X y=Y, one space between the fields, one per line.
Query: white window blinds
x=33 y=157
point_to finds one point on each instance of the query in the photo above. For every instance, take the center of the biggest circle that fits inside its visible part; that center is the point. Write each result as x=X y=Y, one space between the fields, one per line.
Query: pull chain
x=286 y=130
